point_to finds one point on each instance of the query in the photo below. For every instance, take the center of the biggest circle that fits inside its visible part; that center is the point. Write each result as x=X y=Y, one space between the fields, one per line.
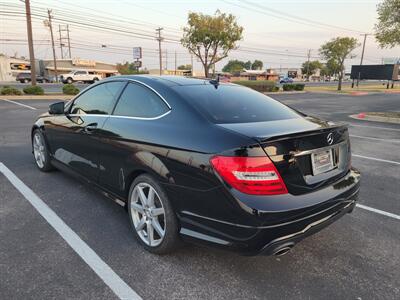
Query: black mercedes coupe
x=201 y=160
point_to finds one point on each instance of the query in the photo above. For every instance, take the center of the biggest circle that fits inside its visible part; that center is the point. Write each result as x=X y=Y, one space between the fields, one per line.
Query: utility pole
x=166 y=60
x=61 y=43
x=52 y=44
x=308 y=64
x=159 y=39
x=362 y=56
x=69 y=42
x=191 y=61
x=30 y=41
x=175 y=62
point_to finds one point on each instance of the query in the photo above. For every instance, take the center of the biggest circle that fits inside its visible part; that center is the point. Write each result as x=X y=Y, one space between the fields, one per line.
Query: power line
x=313 y=22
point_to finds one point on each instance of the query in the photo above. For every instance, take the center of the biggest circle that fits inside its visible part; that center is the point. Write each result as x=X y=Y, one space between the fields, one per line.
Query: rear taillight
x=250 y=175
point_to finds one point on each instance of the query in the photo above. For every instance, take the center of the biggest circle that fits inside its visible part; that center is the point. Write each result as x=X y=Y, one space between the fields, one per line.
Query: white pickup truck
x=80 y=75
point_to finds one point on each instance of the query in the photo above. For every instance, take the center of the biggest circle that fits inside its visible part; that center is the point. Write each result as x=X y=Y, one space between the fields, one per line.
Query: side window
x=98 y=100
x=140 y=101
x=80 y=73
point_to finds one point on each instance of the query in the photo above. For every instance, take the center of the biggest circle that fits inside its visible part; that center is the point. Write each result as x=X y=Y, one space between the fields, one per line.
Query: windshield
x=235 y=104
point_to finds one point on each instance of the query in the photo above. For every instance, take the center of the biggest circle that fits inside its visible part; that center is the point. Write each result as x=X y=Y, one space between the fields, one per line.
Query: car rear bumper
x=266 y=232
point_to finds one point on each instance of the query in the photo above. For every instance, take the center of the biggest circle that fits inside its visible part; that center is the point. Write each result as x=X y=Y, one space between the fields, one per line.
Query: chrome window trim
x=119 y=117
x=152 y=89
x=127 y=80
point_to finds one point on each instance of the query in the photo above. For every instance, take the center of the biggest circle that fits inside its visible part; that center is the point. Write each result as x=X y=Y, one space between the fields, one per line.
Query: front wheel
x=69 y=80
x=40 y=152
x=152 y=217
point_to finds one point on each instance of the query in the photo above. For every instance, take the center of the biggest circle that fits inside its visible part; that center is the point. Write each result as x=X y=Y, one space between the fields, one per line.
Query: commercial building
x=10 y=67
x=254 y=75
x=68 y=65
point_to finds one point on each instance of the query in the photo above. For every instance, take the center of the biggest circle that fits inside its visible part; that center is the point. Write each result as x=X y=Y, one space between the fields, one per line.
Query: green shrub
x=70 y=89
x=299 y=87
x=258 y=85
x=33 y=90
x=288 y=87
x=275 y=89
x=293 y=87
x=8 y=90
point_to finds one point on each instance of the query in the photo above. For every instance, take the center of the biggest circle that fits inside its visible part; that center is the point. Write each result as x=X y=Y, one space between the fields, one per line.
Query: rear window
x=234 y=104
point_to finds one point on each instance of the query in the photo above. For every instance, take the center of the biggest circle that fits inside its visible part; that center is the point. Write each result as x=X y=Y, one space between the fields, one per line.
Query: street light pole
x=30 y=41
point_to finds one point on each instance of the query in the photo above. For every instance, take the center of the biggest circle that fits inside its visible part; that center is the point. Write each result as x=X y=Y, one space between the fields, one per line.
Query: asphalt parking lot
x=357 y=257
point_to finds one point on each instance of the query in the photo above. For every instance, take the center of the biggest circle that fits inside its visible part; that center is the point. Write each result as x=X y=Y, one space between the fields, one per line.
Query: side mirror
x=57 y=108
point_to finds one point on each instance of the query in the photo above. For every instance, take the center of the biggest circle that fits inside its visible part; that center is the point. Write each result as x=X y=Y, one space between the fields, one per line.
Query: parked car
x=26 y=78
x=286 y=80
x=80 y=75
x=203 y=161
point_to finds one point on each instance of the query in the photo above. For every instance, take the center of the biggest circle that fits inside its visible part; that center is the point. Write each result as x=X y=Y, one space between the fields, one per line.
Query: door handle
x=90 y=127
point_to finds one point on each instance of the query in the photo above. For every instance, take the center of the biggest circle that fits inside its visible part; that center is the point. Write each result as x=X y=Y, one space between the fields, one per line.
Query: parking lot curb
x=376 y=119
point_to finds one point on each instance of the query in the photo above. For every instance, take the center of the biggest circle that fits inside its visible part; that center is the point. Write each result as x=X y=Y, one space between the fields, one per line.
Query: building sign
x=20 y=66
x=83 y=62
x=137 y=64
x=137 y=52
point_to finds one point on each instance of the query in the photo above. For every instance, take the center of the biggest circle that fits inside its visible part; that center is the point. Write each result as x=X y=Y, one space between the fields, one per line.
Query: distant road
x=57 y=87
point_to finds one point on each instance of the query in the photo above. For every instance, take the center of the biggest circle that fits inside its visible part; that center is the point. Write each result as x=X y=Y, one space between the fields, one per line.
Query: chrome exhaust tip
x=282 y=251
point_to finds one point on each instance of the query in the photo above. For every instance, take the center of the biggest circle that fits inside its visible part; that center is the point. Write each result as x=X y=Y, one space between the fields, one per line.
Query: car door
x=80 y=75
x=137 y=115
x=74 y=137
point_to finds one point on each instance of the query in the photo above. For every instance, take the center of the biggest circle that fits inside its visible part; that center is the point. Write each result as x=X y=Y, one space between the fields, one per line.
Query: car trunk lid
x=308 y=153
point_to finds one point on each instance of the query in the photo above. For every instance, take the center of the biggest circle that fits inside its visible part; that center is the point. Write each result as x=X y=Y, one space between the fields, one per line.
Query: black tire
x=171 y=240
x=46 y=165
x=26 y=81
x=95 y=79
x=69 y=80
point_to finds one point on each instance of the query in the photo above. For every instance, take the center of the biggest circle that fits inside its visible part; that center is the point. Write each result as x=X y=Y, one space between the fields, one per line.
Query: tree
x=257 y=65
x=211 y=38
x=387 y=30
x=234 y=66
x=247 y=65
x=185 y=67
x=128 y=69
x=310 y=67
x=337 y=50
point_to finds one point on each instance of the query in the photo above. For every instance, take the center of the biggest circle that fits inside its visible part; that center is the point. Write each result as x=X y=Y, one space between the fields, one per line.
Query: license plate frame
x=322 y=161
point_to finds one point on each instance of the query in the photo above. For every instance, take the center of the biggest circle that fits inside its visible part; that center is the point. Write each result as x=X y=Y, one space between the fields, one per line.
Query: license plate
x=322 y=161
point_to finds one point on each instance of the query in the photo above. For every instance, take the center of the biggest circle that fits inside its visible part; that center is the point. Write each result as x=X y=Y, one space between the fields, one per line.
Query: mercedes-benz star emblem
x=329 y=138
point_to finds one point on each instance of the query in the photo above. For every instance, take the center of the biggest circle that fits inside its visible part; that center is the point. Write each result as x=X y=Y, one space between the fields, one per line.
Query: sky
x=279 y=33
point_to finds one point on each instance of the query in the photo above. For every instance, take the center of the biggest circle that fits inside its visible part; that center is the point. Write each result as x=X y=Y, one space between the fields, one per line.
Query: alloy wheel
x=39 y=150
x=148 y=214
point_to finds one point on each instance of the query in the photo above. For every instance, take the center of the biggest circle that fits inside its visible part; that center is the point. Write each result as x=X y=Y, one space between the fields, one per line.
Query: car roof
x=164 y=80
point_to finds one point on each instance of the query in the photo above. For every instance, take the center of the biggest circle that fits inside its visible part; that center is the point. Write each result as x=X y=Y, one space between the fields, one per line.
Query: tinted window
x=140 y=101
x=98 y=100
x=80 y=72
x=233 y=104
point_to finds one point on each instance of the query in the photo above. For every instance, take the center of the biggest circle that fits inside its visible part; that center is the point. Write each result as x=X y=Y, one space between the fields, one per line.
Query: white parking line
x=375 y=139
x=377 y=159
x=110 y=278
x=20 y=104
x=377 y=127
x=378 y=211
